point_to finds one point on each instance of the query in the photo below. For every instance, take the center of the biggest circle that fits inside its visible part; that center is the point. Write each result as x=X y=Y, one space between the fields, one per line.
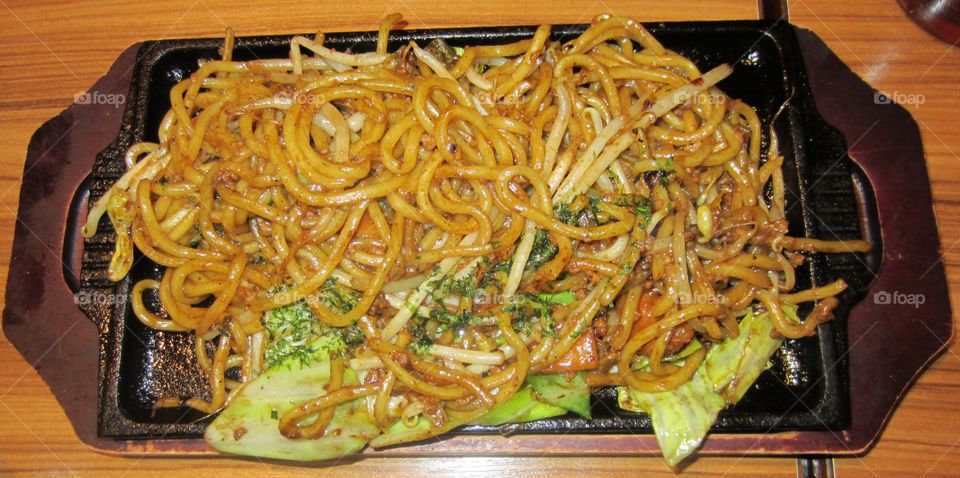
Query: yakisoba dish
x=380 y=247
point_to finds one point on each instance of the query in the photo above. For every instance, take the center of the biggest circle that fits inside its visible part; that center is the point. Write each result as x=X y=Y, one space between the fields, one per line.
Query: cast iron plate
x=806 y=387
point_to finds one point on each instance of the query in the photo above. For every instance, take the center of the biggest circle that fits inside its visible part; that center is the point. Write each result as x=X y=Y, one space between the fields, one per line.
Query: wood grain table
x=50 y=50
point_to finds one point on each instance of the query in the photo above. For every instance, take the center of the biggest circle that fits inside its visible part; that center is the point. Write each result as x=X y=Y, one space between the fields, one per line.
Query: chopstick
x=815 y=467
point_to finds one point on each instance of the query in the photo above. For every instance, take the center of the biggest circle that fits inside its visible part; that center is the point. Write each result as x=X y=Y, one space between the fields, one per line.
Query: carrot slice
x=582 y=356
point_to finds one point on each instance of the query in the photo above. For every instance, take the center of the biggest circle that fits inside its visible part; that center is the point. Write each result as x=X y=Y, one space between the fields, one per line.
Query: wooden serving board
x=890 y=344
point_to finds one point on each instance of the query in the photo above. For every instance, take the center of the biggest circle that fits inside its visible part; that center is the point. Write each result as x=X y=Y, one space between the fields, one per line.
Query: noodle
x=426 y=204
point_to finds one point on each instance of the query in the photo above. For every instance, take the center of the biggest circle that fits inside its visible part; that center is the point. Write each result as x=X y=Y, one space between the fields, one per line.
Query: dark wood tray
x=889 y=344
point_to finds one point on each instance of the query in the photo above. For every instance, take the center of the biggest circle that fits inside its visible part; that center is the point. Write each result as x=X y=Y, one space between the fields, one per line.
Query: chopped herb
x=640 y=206
x=564 y=214
x=588 y=215
x=665 y=164
x=526 y=307
x=466 y=286
x=351 y=336
x=338 y=298
x=504 y=266
x=442 y=51
x=495 y=276
x=594 y=202
x=523 y=327
x=257 y=260
x=451 y=319
x=447 y=285
x=543 y=251
x=274 y=414
x=272 y=291
x=421 y=342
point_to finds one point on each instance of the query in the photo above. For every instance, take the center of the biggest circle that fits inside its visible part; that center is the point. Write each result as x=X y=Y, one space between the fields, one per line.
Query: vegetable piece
x=294 y=331
x=442 y=51
x=560 y=298
x=557 y=390
x=582 y=356
x=682 y=417
x=522 y=407
x=248 y=426
x=528 y=404
x=120 y=211
x=735 y=364
x=400 y=433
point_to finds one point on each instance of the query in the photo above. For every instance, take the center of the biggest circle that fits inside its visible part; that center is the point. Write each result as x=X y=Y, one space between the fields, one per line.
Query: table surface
x=54 y=49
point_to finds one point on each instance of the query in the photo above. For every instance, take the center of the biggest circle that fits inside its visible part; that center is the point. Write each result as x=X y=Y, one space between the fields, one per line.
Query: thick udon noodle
x=390 y=171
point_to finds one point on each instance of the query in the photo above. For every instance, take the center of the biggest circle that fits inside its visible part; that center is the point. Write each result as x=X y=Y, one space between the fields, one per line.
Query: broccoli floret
x=295 y=333
x=292 y=329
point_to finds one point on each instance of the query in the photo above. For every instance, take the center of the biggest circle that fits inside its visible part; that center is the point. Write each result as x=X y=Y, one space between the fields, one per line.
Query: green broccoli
x=294 y=332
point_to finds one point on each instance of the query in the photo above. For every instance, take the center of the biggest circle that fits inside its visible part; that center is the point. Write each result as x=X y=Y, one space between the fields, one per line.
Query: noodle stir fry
x=440 y=229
